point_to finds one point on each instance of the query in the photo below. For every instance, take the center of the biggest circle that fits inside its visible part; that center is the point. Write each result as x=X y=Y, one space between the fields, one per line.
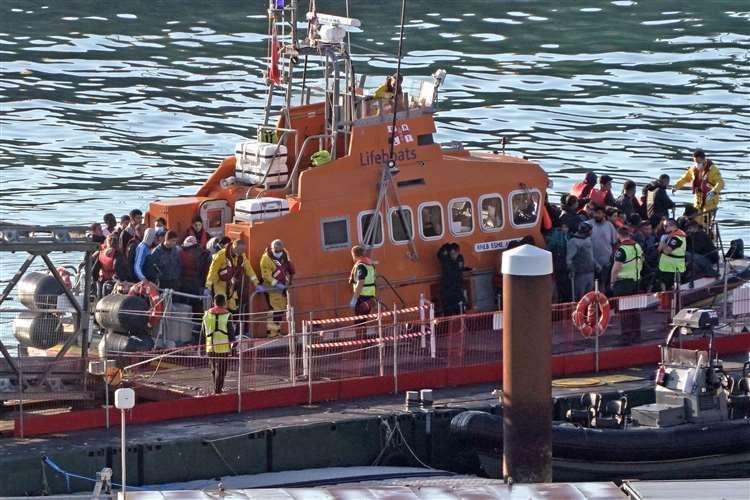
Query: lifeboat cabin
x=276 y=186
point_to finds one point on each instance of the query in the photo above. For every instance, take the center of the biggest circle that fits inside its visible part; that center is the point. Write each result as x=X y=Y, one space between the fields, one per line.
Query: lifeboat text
x=374 y=157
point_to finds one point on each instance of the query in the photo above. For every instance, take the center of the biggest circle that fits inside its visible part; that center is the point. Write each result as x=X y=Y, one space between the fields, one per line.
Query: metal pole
x=527 y=352
x=20 y=390
x=433 y=340
x=106 y=383
x=239 y=374
x=309 y=373
x=423 y=340
x=725 y=311
x=395 y=352
x=123 y=452
x=596 y=328
x=292 y=345
x=381 y=345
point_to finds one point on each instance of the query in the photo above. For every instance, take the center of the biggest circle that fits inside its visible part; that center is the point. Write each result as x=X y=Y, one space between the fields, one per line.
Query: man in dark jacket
x=656 y=200
x=580 y=261
x=194 y=262
x=166 y=258
x=452 y=296
x=627 y=202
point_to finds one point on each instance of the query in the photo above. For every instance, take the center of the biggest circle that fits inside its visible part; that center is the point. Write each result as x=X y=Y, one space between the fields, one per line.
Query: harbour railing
x=387 y=351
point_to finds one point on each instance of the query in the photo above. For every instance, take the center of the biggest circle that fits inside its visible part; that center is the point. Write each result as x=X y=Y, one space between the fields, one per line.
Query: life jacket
x=369 y=289
x=599 y=197
x=669 y=263
x=232 y=268
x=107 y=263
x=581 y=190
x=633 y=265
x=546 y=219
x=216 y=328
x=700 y=185
x=284 y=269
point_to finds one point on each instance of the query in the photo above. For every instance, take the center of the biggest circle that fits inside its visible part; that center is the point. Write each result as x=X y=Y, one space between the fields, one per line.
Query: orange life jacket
x=581 y=190
x=599 y=197
x=107 y=263
x=546 y=219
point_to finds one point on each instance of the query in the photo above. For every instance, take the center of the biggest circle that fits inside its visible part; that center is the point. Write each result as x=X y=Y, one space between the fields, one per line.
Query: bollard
x=527 y=354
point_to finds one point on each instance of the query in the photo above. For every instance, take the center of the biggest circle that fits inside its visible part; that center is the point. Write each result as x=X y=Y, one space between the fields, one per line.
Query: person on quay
x=580 y=261
x=362 y=278
x=582 y=190
x=602 y=196
x=110 y=224
x=143 y=265
x=628 y=202
x=227 y=272
x=625 y=279
x=672 y=248
x=219 y=334
x=277 y=272
x=194 y=261
x=706 y=182
x=656 y=201
x=197 y=230
x=167 y=261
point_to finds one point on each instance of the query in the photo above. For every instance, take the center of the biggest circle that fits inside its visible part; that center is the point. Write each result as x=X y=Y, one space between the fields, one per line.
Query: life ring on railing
x=151 y=291
x=584 y=316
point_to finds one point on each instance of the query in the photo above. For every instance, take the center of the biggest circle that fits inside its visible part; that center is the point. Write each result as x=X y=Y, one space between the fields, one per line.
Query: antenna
x=391 y=162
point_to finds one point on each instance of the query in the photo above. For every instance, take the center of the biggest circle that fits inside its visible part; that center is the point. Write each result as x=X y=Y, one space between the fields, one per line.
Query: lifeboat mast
x=325 y=41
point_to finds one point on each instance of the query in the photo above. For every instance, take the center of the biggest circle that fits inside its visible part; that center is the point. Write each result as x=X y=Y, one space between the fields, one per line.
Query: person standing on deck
x=625 y=279
x=672 y=248
x=602 y=196
x=110 y=224
x=277 y=272
x=143 y=264
x=167 y=261
x=227 y=274
x=603 y=240
x=194 y=261
x=656 y=200
x=197 y=230
x=627 y=202
x=136 y=219
x=582 y=190
x=706 y=182
x=219 y=335
x=362 y=278
x=580 y=261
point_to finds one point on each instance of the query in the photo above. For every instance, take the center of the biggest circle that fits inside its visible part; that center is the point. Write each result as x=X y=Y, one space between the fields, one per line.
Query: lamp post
x=124 y=400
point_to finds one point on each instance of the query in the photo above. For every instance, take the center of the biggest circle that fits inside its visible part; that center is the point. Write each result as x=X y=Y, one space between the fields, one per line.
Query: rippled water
x=108 y=105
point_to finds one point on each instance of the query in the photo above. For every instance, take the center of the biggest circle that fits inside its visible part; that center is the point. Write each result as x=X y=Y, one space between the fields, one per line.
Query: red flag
x=273 y=70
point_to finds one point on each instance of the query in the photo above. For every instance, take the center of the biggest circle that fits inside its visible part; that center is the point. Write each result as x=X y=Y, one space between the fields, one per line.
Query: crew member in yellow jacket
x=277 y=272
x=706 y=182
x=229 y=272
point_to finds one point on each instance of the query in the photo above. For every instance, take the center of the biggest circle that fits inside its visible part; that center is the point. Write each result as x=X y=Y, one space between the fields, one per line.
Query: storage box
x=178 y=326
x=258 y=160
x=658 y=415
x=257 y=209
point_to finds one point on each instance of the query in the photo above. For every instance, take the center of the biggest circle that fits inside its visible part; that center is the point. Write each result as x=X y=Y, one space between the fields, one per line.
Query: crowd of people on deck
x=630 y=243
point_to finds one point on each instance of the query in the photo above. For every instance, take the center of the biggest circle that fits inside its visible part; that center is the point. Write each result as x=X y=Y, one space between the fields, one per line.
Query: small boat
x=698 y=426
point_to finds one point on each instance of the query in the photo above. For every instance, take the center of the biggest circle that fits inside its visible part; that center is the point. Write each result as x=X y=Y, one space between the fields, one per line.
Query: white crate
x=257 y=209
x=254 y=159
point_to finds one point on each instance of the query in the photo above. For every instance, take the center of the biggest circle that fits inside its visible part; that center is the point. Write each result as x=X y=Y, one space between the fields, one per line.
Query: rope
x=67 y=475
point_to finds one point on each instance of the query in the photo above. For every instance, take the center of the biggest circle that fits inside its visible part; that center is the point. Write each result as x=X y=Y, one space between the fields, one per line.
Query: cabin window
x=431 y=220
x=335 y=233
x=524 y=206
x=491 y=212
x=462 y=216
x=399 y=234
x=365 y=218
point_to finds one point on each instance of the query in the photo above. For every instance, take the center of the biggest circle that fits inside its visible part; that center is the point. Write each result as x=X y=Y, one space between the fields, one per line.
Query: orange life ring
x=147 y=289
x=584 y=316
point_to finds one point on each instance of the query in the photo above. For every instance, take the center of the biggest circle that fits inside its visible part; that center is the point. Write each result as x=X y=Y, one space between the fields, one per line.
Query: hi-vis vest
x=631 y=268
x=368 y=290
x=216 y=328
x=676 y=260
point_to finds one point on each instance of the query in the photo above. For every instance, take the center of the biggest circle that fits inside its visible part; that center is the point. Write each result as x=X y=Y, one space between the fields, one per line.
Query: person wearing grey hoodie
x=580 y=260
x=603 y=239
